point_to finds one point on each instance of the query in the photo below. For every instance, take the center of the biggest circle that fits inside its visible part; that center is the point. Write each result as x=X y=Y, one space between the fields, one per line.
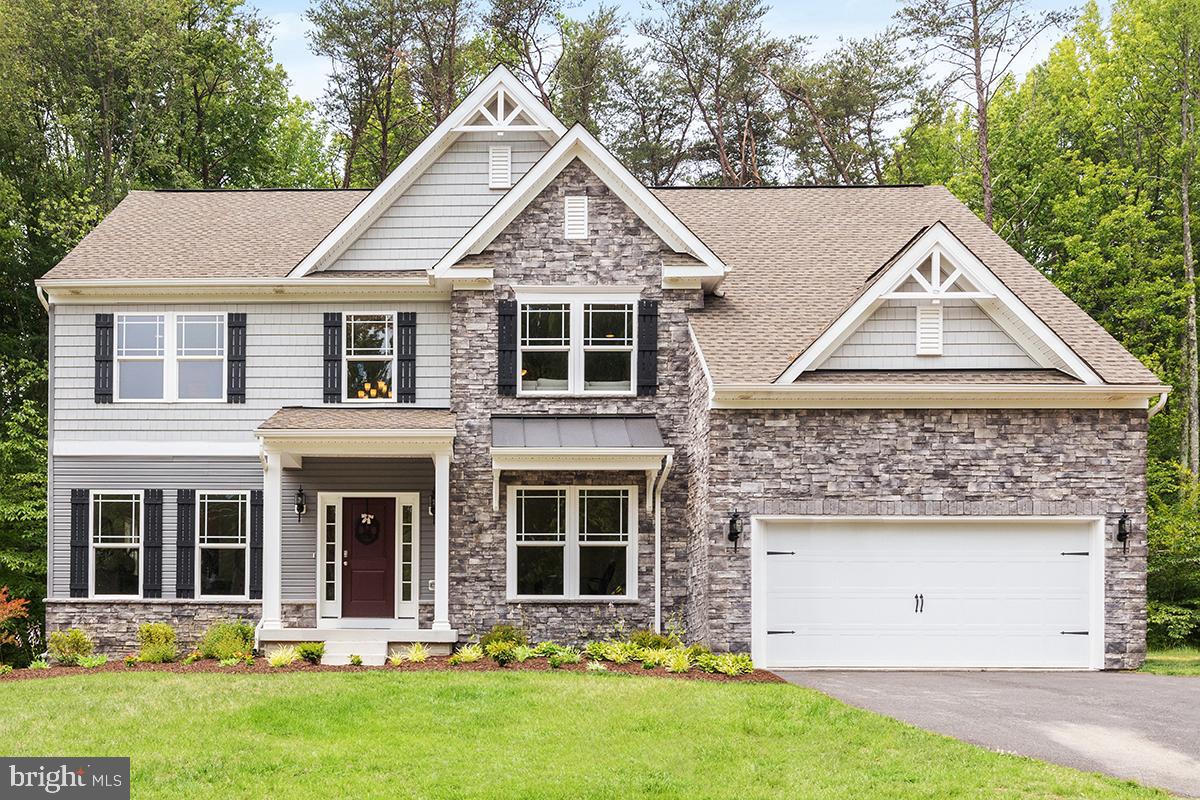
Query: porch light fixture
x=737 y=524
x=301 y=503
x=1124 y=531
x=432 y=502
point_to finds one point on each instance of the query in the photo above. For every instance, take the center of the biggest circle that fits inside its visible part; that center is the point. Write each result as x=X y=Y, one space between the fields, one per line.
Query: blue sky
x=826 y=21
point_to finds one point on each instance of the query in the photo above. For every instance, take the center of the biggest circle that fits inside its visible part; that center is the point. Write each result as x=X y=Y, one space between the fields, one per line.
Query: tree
x=586 y=70
x=649 y=119
x=438 y=67
x=978 y=40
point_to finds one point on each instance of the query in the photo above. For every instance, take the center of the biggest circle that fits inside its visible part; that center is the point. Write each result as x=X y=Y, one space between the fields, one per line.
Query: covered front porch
x=355 y=539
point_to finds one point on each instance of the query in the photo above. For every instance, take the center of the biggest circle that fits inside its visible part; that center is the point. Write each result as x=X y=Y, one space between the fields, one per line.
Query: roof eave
x=900 y=395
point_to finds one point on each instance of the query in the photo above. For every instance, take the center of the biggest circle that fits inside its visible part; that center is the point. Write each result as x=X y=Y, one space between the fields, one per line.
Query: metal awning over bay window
x=579 y=443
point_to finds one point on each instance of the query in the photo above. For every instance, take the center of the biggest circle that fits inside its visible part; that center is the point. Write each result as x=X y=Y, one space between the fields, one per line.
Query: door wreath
x=367 y=529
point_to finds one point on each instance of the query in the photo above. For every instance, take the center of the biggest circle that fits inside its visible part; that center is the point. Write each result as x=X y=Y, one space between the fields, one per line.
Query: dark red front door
x=369 y=560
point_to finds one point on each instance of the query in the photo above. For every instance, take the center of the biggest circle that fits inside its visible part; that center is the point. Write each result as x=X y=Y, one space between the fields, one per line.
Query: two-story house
x=833 y=426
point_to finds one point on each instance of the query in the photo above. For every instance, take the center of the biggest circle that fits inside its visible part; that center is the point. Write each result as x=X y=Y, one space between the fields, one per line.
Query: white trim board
x=153 y=449
x=918 y=395
x=395 y=184
x=996 y=299
x=578 y=143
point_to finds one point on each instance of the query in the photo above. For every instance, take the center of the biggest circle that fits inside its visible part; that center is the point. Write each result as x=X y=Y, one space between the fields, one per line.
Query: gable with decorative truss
x=937 y=306
x=445 y=185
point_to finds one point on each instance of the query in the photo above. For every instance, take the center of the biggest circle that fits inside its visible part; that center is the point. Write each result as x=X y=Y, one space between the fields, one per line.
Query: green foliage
x=654 y=657
x=546 y=649
x=502 y=651
x=595 y=649
x=283 y=657
x=596 y=666
x=235 y=661
x=192 y=658
x=467 y=654
x=734 y=664
x=312 y=652
x=705 y=661
x=6 y=669
x=1171 y=625
x=39 y=663
x=679 y=661
x=70 y=646
x=132 y=660
x=91 y=662
x=415 y=653
x=522 y=653
x=504 y=633
x=356 y=660
x=156 y=643
x=564 y=655
x=227 y=639
x=650 y=640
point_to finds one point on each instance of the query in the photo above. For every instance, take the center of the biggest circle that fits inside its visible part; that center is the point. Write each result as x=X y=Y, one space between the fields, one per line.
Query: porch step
x=372 y=653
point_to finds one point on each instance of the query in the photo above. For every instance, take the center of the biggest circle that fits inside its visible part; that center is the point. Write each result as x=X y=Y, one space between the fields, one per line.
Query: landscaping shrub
x=564 y=655
x=6 y=669
x=91 y=662
x=68 y=646
x=649 y=640
x=156 y=643
x=312 y=652
x=132 y=660
x=501 y=651
x=415 y=653
x=467 y=654
x=228 y=639
x=504 y=633
x=621 y=652
x=522 y=653
x=679 y=661
x=546 y=649
x=734 y=664
x=705 y=662
x=192 y=658
x=355 y=660
x=596 y=666
x=595 y=649
x=39 y=663
x=654 y=657
x=283 y=657
x=1169 y=625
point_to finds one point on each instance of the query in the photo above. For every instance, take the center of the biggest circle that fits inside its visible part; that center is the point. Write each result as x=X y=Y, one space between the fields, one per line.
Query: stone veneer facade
x=620 y=251
x=113 y=624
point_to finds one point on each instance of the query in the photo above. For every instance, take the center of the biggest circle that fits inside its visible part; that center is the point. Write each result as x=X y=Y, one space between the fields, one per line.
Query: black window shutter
x=256 y=544
x=647 y=347
x=79 y=542
x=235 y=329
x=506 y=367
x=104 y=358
x=406 y=357
x=333 y=357
x=185 y=543
x=152 y=543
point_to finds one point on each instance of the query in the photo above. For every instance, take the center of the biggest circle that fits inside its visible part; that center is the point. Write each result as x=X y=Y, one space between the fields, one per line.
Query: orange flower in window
x=361 y=394
x=381 y=386
x=373 y=393
x=367 y=385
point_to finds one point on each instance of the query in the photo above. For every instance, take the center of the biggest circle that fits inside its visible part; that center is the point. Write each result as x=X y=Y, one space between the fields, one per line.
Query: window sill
x=575 y=601
x=147 y=600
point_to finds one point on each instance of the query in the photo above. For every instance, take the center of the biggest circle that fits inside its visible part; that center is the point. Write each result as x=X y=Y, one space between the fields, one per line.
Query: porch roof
x=576 y=432
x=325 y=418
x=296 y=431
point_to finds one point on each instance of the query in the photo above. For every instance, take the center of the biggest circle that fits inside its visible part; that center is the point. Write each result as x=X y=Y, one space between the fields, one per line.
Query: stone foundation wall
x=113 y=624
x=993 y=462
x=299 y=615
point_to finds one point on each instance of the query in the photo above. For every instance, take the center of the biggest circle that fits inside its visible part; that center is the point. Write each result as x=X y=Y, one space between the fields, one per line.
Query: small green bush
x=6 y=669
x=734 y=664
x=1169 y=625
x=415 y=653
x=355 y=660
x=546 y=649
x=649 y=640
x=679 y=661
x=192 y=658
x=697 y=650
x=653 y=657
x=564 y=655
x=504 y=633
x=501 y=651
x=522 y=653
x=283 y=657
x=232 y=661
x=596 y=666
x=91 y=662
x=156 y=643
x=132 y=660
x=312 y=652
x=228 y=639
x=68 y=646
x=39 y=663
x=621 y=652
x=467 y=654
x=705 y=662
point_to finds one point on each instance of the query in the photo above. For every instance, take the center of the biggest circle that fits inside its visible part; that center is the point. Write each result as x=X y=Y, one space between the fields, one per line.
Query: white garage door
x=927 y=593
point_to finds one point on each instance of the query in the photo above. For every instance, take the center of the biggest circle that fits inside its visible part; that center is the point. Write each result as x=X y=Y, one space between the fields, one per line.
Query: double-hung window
x=222 y=533
x=370 y=356
x=170 y=357
x=572 y=542
x=116 y=536
x=577 y=346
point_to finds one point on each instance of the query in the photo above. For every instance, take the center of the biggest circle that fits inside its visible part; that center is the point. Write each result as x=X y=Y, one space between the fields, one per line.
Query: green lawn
x=1177 y=661
x=498 y=735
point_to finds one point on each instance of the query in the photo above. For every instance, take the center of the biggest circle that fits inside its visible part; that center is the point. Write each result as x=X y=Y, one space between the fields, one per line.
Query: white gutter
x=1157 y=407
x=658 y=487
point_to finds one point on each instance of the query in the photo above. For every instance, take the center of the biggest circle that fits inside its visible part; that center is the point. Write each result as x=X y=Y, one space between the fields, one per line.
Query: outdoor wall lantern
x=737 y=524
x=301 y=503
x=1124 y=531
x=432 y=502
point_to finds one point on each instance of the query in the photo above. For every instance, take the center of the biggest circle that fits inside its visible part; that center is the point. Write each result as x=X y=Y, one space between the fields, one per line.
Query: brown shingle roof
x=798 y=255
x=222 y=234
x=358 y=419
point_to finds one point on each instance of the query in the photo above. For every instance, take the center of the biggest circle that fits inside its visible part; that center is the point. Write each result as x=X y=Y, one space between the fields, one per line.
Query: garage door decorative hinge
x=776 y=633
x=781 y=552
x=1074 y=633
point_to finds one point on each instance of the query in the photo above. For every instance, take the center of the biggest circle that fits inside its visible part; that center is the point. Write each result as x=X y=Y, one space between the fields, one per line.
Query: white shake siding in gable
x=129 y=474
x=284 y=350
x=440 y=206
x=887 y=340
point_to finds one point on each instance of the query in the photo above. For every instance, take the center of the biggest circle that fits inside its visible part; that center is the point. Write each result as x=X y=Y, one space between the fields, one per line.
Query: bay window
x=574 y=542
x=577 y=346
x=369 y=356
x=222 y=533
x=116 y=537
x=169 y=357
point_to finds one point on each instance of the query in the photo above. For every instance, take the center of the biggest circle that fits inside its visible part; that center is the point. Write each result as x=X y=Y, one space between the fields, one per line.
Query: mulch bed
x=434 y=664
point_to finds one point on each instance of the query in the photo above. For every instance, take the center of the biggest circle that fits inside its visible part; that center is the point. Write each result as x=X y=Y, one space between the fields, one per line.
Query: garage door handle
x=776 y=633
x=781 y=552
x=918 y=604
x=1075 y=553
x=1074 y=633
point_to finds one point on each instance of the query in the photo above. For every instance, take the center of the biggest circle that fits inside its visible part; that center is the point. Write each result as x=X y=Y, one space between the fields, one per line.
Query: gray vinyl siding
x=887 y=340
x=283 y=367
x=128 y=474
x=440 y=205
x=348 y=475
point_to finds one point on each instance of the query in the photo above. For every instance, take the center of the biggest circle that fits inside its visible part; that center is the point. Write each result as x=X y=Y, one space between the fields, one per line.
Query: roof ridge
x=804 y=186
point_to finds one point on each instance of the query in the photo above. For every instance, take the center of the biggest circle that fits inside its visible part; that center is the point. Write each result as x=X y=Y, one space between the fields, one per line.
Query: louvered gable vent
x=576 y=216
x=929 y=330
x=499 y=167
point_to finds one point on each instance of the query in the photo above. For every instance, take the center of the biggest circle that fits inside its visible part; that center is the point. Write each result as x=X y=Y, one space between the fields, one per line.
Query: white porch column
x=272 y=595
x=441 y=542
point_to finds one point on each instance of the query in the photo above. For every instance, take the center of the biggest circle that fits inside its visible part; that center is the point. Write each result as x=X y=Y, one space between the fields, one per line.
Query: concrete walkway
x=1142 y=727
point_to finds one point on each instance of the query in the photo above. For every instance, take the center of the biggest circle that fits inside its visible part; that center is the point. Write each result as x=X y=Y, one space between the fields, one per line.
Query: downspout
x=658 y=487
x=1157 y=407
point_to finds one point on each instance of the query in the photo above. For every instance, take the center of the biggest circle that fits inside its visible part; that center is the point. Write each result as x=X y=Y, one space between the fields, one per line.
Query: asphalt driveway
x=1142 y=727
